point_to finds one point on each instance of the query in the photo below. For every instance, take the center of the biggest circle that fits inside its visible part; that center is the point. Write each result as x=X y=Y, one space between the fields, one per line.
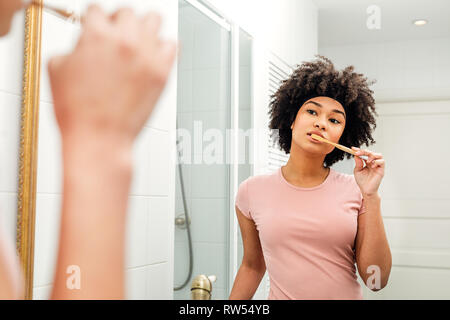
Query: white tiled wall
x=11 y=61
x=404 y=70
x=149 y=258
x=413 y=75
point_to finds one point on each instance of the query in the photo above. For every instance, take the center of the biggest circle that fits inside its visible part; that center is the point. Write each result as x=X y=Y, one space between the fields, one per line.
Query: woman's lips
x=313 y=140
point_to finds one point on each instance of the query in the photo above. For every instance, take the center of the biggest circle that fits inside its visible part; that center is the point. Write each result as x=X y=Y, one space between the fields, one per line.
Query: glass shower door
x=203 y=170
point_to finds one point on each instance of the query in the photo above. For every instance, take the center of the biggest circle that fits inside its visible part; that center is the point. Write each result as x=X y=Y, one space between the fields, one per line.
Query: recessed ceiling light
x=420 y=22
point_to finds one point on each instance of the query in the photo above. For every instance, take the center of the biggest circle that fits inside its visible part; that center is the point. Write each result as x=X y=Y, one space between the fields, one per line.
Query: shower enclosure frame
x=214 y=14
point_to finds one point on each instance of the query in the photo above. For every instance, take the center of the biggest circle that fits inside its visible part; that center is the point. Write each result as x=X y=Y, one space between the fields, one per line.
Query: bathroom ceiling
x=344 y=21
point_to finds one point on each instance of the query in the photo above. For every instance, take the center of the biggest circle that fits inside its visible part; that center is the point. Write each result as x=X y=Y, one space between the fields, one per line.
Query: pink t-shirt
x=307 y=235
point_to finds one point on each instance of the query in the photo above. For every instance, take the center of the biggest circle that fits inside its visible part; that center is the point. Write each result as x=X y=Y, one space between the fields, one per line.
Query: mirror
x=383 y=40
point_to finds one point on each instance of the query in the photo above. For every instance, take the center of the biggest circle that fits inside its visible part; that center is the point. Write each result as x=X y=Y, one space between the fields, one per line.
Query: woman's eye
x=332 y=119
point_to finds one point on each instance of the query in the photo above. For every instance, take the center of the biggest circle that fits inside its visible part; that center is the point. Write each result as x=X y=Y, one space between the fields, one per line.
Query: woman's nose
x=319 y=125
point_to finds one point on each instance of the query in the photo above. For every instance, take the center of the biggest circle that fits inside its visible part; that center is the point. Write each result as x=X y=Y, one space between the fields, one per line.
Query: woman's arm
x=372 y=248
x=11 y=279
x=253 y=266
x=96 y=185
x=373 y=255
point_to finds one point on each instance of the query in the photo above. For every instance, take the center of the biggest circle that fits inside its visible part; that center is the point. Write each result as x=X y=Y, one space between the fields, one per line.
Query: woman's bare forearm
x=97 y=175
x=246 y=282
x=374 y=248
x=11 y=278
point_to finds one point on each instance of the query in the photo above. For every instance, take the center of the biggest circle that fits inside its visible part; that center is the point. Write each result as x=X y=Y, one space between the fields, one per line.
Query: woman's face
x=320 y=115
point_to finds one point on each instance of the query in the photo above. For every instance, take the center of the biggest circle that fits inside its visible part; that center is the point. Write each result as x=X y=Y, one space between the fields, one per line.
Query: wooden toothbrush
x=341 y=147
x=59 y=12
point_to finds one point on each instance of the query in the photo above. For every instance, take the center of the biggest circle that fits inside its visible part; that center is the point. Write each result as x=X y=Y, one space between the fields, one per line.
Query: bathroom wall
x=288 y=28
x=410 y=70
x=412 y=96
x=11 y=61
x=404 y=70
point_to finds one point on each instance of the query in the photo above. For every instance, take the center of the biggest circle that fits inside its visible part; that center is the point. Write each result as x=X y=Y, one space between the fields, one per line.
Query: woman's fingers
x=377 y=163
x=371 y=155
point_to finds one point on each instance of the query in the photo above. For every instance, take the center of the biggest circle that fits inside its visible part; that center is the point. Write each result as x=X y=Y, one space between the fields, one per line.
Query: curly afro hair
x=320 y=78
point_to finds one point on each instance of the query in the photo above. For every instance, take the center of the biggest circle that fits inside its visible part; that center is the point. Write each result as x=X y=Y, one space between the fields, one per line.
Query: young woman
x=307 y=223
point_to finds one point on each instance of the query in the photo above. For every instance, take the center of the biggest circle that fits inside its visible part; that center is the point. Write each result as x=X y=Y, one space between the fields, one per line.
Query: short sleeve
x=242 y=200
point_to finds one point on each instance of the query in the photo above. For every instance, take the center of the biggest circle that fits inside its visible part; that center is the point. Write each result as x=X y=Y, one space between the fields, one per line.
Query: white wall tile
x=136 y=232
x=244 y=87
x=440 y=75
x=211 y=259
x=418 y=77
x=418 y=233
x=183 y=294
x=12 y=56
x=48 y=215
x=186 y=33
x=163 y=116
x=182 y=257
x=186 y=173
x=159 y=286
x=405 y=70
x=50 y=166
x=162 y=161
x=219 y=294
x=8 y=215
x=141 y=164
x=213 y=119
x=158 y=230
x=404 y=283
x=184 y=94
x=418 y=55
x=210 y=217
x=210 y=89
x=58 y=38
x=209 y=181
x=42 y=293
x=135 y=283
x=10 y=119
x=441 y=52
x=211 y=41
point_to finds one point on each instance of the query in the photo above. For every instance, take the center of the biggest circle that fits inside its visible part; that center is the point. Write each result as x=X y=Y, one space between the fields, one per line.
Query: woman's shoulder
x=345 y=181
x=343 y=177
x=259 y=180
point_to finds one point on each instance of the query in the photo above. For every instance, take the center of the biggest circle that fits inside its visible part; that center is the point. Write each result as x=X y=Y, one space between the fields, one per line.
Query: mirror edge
x=26 y=206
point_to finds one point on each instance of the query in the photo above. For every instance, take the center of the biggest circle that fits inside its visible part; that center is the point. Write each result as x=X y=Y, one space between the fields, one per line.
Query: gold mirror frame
x=26 y=209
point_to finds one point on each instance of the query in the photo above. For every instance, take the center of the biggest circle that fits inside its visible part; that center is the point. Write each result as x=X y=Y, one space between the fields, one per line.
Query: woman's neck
x=304 y=168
